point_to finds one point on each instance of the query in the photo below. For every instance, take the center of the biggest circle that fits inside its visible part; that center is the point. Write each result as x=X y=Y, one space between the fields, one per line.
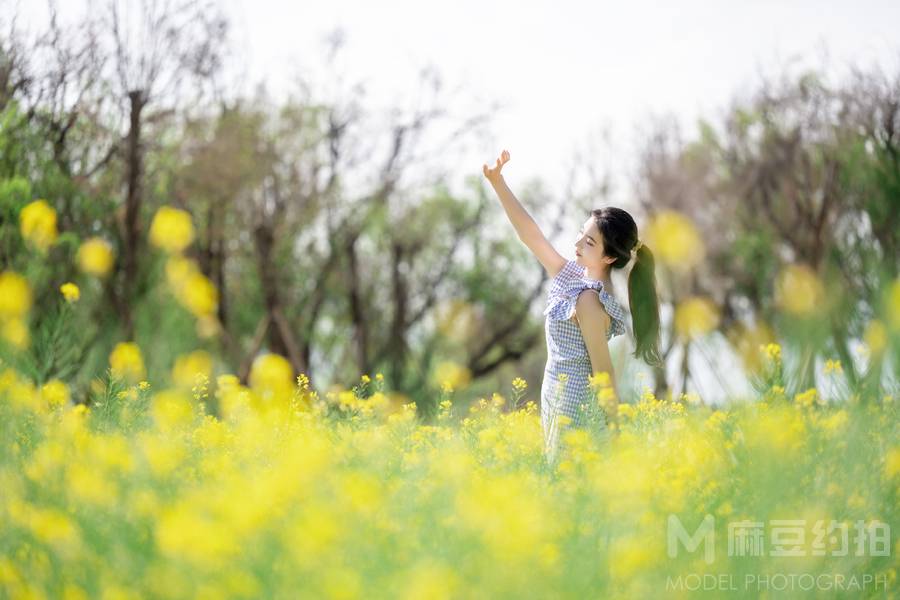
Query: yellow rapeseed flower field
x=348 y=500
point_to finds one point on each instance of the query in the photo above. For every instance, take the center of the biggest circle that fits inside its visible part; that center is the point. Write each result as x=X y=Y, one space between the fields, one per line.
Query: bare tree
x=158 y=46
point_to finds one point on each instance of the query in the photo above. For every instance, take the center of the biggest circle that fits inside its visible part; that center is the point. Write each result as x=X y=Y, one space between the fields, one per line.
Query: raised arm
x=526 y=228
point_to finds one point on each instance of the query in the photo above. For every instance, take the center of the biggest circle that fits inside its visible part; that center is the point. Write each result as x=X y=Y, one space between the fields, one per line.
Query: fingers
x=504 y=158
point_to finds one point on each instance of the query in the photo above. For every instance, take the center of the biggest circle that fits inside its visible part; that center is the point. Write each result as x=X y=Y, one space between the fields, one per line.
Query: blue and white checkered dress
x=565 y=386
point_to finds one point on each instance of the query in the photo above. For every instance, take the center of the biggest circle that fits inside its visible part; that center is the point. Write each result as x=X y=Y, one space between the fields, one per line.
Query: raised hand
x=494 y=173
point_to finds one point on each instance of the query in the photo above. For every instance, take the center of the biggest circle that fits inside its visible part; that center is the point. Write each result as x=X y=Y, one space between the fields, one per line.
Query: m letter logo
x=705 y=533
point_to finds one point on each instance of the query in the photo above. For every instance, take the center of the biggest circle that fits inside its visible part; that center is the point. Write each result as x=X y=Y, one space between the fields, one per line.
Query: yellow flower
x=747 y=341
x=601 y=379
x=188 y=365
x=451 y=375
x=95 y=257
x=89 y=485
x=833 y=366
x=692 y=398
x=431 y=579
x=55 y=393
x=49 y=526
x=876 y=337
x=227 y=381
x=272 y=376
x=806 y=399
x=144 y=385
x=70 y=291
x=892 y=463
x=15 y=331
x=171 y=408
x=366 y=379
x=798 y=290
x=303 y=381
x=15 y=295
x=834 y=422
x=162 y=455
x=695 y=316
x=208 y=325
x=772 y=351
x=675 y=240
x=192 y=289
x=171 y=229
x=347 y=399
x=893 y=305
x=606 y=398
x=37 y=223
x=200 y=296
x=127 y=362
x=633 y=554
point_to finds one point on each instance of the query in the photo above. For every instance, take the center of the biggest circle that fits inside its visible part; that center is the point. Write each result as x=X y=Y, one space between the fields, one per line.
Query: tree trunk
x=281 y=339
x=397 y=346
x=137 y=100
x=357 y=314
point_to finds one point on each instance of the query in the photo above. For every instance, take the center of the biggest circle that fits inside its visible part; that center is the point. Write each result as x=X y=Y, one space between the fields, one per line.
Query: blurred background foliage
x=309 y=229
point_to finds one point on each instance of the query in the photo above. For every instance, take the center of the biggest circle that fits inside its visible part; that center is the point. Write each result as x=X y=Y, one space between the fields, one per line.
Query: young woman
x=582 y=312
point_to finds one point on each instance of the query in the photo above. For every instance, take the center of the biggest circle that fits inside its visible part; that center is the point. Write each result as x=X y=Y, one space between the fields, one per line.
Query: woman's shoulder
x=569 y=271
x=614 y=310
x=568 y=284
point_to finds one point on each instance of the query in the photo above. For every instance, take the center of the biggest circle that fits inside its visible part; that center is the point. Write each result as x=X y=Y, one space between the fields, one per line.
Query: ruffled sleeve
x=564 y=295
x=571 y=270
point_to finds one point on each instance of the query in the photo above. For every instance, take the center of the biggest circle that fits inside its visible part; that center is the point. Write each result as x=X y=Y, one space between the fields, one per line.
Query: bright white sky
x=562 y=70
x=565 y=69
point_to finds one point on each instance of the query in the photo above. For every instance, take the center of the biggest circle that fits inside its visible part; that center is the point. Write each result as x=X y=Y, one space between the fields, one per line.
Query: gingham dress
x=566 y=351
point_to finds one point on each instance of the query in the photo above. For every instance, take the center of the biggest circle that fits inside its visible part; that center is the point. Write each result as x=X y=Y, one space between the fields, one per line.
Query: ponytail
x=644 y=305
x=620 y=241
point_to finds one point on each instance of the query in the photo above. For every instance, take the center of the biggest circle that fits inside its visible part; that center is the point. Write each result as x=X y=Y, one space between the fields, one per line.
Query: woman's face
x=589 y=246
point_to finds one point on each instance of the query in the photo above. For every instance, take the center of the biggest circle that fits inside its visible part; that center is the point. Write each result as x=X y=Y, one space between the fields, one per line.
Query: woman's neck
x=601 y=275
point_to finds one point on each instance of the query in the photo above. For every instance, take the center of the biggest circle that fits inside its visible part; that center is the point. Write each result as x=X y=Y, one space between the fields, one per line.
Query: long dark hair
x=620 y=235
